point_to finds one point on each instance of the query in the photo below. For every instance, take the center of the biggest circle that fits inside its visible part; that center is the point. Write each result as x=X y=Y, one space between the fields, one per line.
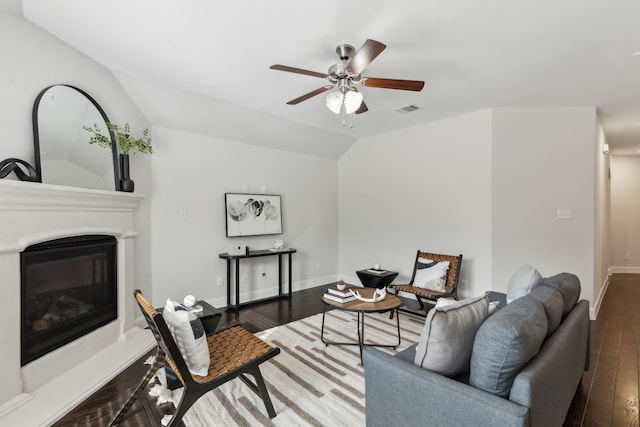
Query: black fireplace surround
x=68 y=289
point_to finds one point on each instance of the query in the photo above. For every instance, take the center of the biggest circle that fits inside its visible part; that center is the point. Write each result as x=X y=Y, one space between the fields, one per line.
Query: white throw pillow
x=431 y=275
x=522 y=282
x=189 y=335
x=449 y=331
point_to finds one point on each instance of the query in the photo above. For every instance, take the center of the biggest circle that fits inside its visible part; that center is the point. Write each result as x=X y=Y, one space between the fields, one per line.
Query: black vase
x=126 y=184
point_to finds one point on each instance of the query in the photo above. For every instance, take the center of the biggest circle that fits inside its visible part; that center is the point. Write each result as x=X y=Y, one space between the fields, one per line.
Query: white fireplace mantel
x=31 y=213
x=43 y=201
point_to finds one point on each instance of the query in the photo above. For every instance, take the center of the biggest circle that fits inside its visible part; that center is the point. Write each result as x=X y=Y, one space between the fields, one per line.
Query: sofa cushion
x=569 y=287
x=504 y=344
x=551 y=300
x=522 y=282
x=448 y=334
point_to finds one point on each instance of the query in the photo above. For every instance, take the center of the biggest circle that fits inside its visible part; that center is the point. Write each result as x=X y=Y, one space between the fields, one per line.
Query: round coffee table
x=389 y=304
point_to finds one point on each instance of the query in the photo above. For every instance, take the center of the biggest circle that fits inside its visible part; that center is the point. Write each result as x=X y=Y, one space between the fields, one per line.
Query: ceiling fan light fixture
x=334 y=101
x=352 y=101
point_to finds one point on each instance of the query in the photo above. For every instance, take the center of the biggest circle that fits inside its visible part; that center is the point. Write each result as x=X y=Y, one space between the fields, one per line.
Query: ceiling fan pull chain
x=344 y=118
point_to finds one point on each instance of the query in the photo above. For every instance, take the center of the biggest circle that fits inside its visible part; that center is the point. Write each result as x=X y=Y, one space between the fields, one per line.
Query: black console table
x=254 y=254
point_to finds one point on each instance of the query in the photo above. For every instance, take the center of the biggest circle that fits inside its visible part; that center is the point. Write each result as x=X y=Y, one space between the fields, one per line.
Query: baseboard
x=273 y=290
x=627 y=270
x=593 y=311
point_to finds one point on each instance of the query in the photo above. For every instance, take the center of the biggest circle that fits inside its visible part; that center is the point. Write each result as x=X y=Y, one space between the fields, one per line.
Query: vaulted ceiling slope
x=212 y=58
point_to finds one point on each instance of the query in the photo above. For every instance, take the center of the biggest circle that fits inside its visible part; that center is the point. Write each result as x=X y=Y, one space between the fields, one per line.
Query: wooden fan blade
x=363 y=108
x=365 y=55
x=309 y=95
x=415 y=85
x=298 y=71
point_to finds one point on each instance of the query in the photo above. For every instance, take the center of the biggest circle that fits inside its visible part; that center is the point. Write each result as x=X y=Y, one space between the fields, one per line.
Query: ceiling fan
x=346 y=74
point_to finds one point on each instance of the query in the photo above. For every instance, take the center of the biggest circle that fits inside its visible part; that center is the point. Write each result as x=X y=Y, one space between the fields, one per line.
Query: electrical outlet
x=245 y=278
x=220 y=281
x=627 y=257
x=318 y=266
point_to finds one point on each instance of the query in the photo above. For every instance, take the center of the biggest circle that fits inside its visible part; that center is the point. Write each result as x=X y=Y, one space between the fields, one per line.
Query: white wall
x=31 y=60
x=487 y=185
x=602 y=243
x=625 y=214
x=193 y=172
x=427 y=187
x=543 y=160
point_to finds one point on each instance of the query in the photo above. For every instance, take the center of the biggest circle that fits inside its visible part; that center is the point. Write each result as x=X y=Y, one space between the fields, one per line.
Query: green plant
x=127 y=143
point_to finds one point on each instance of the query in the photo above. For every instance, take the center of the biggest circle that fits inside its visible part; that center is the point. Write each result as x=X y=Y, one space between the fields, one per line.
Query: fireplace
x=68 y=289
x=32 y=213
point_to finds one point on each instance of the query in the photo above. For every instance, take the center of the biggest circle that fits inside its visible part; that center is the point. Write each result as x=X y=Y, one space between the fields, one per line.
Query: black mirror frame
x=36 y=134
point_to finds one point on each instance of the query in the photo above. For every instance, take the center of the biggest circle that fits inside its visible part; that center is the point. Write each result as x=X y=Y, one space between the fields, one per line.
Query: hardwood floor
x=100 y=408
x=607 y=396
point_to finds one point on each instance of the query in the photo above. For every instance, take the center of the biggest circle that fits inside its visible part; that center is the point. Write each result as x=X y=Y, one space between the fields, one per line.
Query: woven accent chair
x=233 y=352
x=451 y=281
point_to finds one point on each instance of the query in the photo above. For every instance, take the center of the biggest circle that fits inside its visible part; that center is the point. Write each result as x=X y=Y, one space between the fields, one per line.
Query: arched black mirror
x=62 y=151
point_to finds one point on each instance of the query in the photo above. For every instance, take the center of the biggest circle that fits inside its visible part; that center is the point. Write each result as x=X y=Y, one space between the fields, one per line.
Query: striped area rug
x=310 y=384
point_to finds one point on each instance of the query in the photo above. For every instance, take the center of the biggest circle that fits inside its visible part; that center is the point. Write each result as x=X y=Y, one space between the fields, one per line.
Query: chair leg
x=157 y=364
x=260 y=389
x=186 y=401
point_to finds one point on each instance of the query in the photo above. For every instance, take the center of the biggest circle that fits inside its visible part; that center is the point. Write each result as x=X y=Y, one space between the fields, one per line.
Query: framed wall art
x=253 y=214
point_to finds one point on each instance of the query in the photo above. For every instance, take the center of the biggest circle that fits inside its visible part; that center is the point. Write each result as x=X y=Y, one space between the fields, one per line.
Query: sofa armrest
x=557 y=367
x=400 y=393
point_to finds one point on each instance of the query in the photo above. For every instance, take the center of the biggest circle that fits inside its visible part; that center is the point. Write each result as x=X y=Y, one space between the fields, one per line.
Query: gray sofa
x=397 y=392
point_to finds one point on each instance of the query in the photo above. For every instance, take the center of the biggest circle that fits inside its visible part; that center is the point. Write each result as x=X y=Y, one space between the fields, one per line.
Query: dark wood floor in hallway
x=607 y=396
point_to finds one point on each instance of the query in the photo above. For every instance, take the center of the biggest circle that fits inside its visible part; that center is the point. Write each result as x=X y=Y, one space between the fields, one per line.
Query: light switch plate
x=564 y=213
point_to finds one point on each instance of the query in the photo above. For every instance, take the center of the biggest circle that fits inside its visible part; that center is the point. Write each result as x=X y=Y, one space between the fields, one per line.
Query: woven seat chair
x=451 y=282
x=233 y=352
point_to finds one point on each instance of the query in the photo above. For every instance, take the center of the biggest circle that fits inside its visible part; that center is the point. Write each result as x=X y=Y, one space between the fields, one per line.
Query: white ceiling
x=472 y=54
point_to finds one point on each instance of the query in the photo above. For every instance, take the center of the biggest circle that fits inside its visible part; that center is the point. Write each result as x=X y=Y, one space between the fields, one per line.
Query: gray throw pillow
x=551 y=299
x=505 y=343
x=569 y=287
x=447 y=337
x=522 y=282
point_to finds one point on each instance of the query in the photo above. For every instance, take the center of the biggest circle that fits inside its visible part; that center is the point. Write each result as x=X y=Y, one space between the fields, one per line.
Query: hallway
x=608 y=394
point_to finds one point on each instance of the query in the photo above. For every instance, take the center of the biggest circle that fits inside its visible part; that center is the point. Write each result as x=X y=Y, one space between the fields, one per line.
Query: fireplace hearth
x=68 y=289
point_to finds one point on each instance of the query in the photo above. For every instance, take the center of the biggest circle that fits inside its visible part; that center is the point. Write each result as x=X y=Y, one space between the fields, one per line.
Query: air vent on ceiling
x=408 y=109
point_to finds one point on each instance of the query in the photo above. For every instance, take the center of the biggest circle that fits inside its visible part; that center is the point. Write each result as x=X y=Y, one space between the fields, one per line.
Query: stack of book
x=374 y=271
x=341 y=296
